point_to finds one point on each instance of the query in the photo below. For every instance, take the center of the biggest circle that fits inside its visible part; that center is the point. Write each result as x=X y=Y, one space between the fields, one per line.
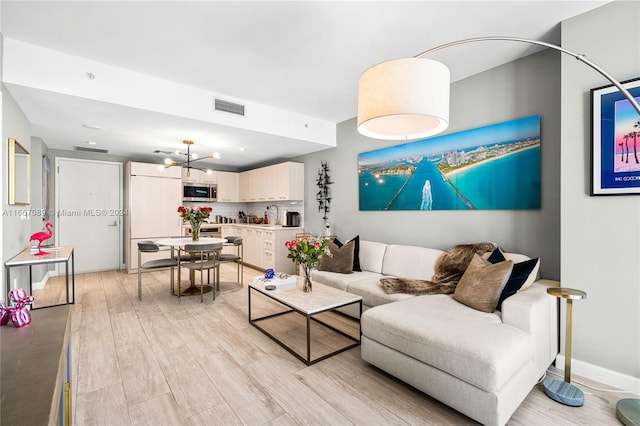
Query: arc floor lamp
x=408 y=99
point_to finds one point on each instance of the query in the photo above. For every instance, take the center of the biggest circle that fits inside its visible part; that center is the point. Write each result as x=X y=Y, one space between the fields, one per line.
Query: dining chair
x=163 y=263
x=236 y=257
x=204 y=257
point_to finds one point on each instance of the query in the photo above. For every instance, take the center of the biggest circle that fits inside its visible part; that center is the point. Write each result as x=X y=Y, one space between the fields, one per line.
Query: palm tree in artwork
x=635 y=135
x=621 y=145
x=626 y=144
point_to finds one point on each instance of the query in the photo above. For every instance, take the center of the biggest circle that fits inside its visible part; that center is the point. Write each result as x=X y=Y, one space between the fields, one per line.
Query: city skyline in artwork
x=490 y=167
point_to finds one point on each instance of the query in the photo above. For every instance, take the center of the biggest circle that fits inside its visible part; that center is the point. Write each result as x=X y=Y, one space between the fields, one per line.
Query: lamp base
x=628 y=411
x=563 y=392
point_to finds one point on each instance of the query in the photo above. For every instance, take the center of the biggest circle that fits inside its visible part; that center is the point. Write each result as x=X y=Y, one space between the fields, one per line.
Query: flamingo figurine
x=42 y=236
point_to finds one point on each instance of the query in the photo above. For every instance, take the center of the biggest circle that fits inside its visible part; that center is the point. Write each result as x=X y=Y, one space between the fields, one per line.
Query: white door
x=89 y=213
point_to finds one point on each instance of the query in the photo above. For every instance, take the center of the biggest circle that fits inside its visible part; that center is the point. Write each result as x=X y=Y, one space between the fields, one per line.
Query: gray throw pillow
x=341 y=260
x=482 y=282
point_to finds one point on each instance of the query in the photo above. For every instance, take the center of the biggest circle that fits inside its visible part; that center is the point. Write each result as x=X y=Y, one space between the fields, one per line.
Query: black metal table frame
x=309 y=318
x=66 y=279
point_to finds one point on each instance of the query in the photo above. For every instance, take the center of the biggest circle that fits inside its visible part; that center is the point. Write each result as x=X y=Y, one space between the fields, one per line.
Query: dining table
x=179 y=243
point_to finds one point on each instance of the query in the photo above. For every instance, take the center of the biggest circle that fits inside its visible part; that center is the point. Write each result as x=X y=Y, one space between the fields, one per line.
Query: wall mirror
x=19 y=174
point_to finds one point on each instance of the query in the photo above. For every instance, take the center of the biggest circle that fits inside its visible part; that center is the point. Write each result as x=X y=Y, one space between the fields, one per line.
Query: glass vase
x=306 y=285
x=195 y=231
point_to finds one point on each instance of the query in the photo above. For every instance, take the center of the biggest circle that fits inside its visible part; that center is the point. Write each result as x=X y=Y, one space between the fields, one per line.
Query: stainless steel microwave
x=199 y=192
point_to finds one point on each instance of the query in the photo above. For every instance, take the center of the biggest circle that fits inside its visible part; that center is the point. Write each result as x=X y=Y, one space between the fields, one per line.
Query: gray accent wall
x=525 y=87
x=600 y=235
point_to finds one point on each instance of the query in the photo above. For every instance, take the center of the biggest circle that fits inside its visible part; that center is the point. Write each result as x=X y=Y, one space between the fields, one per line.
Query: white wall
x=16 y=229
x=525 y=87
x=600 y=238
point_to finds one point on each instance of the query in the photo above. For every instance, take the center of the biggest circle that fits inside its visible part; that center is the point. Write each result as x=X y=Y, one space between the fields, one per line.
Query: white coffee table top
x=320 y=299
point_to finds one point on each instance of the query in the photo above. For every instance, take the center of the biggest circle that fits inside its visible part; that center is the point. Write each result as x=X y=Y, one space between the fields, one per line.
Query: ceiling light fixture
x=409 y=98
x=190 y=158
x=91 y=127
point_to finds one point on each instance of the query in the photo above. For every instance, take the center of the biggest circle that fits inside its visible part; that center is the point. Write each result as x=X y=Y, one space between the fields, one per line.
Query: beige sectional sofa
x=481 y=364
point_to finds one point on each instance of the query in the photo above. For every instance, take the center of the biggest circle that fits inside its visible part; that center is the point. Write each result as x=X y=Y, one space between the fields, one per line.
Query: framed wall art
x=494 y=167
x=615 y=140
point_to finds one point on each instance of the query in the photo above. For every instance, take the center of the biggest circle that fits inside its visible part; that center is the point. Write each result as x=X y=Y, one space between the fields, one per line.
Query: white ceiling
x=298 y=57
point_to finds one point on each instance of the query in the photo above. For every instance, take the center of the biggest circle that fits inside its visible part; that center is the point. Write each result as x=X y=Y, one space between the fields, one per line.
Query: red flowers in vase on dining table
x=195 y=216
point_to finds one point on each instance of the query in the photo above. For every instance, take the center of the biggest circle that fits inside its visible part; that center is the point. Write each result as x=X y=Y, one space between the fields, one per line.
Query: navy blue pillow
x=356 y=251
x=519 y=275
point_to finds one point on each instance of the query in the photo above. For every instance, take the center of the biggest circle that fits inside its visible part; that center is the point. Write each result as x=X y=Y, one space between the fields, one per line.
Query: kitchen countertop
x=261 y=226
x=247 y=225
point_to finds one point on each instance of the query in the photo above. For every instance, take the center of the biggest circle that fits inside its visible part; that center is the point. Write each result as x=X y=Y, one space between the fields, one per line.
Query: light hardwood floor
x=170 y=361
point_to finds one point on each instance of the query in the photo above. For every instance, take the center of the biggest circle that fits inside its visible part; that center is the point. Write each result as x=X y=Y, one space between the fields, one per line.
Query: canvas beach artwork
x=488 y=168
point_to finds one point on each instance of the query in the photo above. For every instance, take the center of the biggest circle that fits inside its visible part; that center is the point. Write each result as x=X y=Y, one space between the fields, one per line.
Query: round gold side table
x=564 y=392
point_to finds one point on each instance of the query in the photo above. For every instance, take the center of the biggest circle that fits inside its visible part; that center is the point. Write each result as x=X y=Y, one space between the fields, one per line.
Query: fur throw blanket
x=449 y=269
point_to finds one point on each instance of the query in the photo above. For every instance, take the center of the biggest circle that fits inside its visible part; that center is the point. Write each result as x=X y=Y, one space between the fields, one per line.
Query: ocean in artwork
x=485 y=169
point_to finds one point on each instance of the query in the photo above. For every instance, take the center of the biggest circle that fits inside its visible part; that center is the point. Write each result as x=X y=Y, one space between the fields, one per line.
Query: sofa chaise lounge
x=482 y=364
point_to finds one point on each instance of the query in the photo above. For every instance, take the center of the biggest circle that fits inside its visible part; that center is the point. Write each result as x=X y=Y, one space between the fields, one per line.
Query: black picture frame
x=615 y=140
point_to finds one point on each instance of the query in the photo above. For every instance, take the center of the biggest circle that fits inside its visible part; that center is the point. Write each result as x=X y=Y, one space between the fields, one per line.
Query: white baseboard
x=600 y=374
x=39 y=285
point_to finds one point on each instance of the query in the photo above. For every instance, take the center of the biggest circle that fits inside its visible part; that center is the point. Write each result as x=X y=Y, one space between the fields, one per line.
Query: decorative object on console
x=18 y=313
x=307 y=252
x=190 y=158
x=195 y=217
x=323 y=196
x=564 y=392
x=409 y=98
x=459 y=171
x=42 y=236
x=269 y=274
x=615 y=126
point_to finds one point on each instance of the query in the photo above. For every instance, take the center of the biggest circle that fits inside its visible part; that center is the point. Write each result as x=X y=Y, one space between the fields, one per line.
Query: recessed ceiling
x=297 y=57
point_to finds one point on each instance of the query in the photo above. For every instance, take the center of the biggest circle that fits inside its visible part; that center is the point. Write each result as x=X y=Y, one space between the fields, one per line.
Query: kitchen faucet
x=277 y=218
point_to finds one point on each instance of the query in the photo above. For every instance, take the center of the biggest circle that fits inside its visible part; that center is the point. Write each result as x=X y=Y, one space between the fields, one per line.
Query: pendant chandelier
x=189 y=158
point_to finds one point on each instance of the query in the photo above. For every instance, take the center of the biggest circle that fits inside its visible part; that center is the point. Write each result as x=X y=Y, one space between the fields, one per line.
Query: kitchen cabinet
x=228 y=186
x=253 y=186
x=152 y=200
x=280 y=182
x=252 y=241
x=209 y=176
x=274 y=251
x=199 y=176
x=263 y=246
x=286 y=181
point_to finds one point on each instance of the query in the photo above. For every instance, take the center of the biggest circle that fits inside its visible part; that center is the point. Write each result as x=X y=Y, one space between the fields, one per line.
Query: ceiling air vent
x=159 y=151
x=86 y=149
x=230 y=107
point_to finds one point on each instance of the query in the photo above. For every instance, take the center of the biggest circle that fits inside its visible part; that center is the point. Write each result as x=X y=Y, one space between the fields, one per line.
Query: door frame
x=120 y=203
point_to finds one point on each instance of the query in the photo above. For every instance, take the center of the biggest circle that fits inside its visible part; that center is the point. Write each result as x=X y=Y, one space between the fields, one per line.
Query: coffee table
x=323 y=298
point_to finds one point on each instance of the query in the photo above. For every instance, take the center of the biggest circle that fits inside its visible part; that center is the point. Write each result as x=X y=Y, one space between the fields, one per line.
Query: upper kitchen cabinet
x=198 y=176
x=280 y=182
x=156 y=170
x=286 y=182
x=253 y=185
x=228 y=185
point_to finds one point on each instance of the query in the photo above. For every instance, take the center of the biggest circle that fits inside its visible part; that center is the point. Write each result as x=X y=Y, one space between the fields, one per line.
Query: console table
x=63 y=254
